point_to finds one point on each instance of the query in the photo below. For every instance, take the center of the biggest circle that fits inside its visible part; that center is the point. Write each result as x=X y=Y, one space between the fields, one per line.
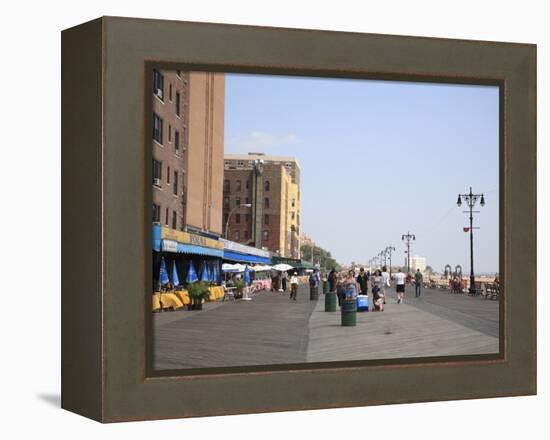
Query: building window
x=226 y=185
x=267 y=185
x=175 y=183
x=292 y=215
x=266 y=202
x=156 y=213
x=226 y=202
x=247 y=184
x=170 y=91
x=237 y=235
x=157 y=128
x=169 y=133
x=166 y=219
x=238 y=219
x=157 y=172
x=174 y=220
x=266 y=235
x=247 y=201
x=158 y=84
x=168 y=175
x=225 y=218
x=266 y=219
x=238 y=202
x=177 y=103
x=239 y=185
x=293 y=203
x=177 y=140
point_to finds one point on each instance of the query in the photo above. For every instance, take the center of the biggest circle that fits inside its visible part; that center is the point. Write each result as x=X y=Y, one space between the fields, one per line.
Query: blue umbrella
x=191 y=274
x=175 y=277
x=204 y=272
x=163 y=276
x=247 y=275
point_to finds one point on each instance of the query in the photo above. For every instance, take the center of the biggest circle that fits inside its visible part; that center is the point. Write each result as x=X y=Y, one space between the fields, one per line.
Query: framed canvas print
x=264 y=219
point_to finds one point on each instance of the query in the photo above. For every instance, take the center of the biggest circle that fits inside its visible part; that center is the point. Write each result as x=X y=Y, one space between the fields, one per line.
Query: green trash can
x=330 y=302
x=325 y=287
x=313 y=293
x=349 y=312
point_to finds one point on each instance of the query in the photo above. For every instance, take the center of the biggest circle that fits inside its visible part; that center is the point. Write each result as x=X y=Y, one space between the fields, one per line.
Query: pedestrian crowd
x=351 y=284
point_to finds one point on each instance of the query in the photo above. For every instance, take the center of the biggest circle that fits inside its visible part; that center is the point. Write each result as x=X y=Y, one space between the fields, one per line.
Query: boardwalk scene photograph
x=305 y=220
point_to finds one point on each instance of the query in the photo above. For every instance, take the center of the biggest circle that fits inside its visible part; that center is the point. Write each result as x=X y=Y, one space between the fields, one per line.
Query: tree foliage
x=320 y=255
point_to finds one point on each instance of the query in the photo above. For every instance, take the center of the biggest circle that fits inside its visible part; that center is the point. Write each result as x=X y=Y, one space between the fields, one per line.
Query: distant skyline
x=379 y=159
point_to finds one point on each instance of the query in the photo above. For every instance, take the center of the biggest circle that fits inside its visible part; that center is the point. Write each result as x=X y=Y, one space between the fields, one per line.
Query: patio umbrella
x=175 y=277
x=204 y=272
x=163 y=275
x=282 y=267
x=247 y=275
x=191 y=274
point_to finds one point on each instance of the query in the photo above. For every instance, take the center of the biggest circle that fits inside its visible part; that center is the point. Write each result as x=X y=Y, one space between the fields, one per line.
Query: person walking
x=417 y=283
x=378 y=292
x=385 y=283
x=351 y=286
x=332 y=279
x=284 y=280
x=362 y=280
x=400 y=285
x=294 y=286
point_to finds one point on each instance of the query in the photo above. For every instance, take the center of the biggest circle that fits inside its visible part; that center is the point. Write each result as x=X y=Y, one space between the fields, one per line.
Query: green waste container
x=325 y=287
x=313 y=293
x=330 y=302
x=349 y=312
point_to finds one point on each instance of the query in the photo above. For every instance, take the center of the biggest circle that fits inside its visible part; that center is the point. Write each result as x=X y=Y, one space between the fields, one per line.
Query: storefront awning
x=245 y=258
x=198 y=250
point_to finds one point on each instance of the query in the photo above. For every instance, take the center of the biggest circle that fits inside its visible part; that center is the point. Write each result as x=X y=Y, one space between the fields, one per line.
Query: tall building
x=271 y=186
x=416 y=262
x=187 y=145
x=188 y=128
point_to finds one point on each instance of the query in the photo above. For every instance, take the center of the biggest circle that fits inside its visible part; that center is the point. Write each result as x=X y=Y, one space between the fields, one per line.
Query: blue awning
x=244 y=258
x=199 y=250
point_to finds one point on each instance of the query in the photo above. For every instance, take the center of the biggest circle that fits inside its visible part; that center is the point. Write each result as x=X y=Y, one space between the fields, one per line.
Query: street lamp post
x=389 y=250
x=471 y=199
x=408 y=237
x=245 y=205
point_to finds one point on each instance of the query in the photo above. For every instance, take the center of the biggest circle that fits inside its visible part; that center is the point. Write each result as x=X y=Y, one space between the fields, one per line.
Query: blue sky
x=378 y=159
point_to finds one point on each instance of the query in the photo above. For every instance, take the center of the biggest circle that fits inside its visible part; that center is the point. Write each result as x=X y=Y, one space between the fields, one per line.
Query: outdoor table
x=183 y=296
x=169 y=299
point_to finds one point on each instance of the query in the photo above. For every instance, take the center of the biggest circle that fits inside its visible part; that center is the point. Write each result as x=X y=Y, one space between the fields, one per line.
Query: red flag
x=466 y=229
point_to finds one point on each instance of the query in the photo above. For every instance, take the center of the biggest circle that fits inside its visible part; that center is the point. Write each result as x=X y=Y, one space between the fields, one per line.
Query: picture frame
x=106 y=234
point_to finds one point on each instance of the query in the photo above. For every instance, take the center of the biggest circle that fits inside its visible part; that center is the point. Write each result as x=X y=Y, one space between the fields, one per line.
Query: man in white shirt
x=400 y=285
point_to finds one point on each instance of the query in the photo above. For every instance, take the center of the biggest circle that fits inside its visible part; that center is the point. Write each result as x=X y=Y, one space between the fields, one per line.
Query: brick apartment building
x=271 y=185
x=188 y=128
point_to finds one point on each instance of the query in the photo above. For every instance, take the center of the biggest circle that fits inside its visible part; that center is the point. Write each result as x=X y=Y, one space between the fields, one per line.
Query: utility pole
x=471 y=200
x=407 y=238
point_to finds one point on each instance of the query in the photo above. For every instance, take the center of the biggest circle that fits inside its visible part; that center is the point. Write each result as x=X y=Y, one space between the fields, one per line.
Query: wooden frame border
x=106 y=218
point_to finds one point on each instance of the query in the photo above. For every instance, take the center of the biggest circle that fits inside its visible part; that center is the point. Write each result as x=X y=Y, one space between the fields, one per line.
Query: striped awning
x=198 y=250
x=245 y=258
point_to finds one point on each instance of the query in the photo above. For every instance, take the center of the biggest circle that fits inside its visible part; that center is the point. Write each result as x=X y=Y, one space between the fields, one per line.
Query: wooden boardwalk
x=436 y=324
x=271 y=330
x=268 y=330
